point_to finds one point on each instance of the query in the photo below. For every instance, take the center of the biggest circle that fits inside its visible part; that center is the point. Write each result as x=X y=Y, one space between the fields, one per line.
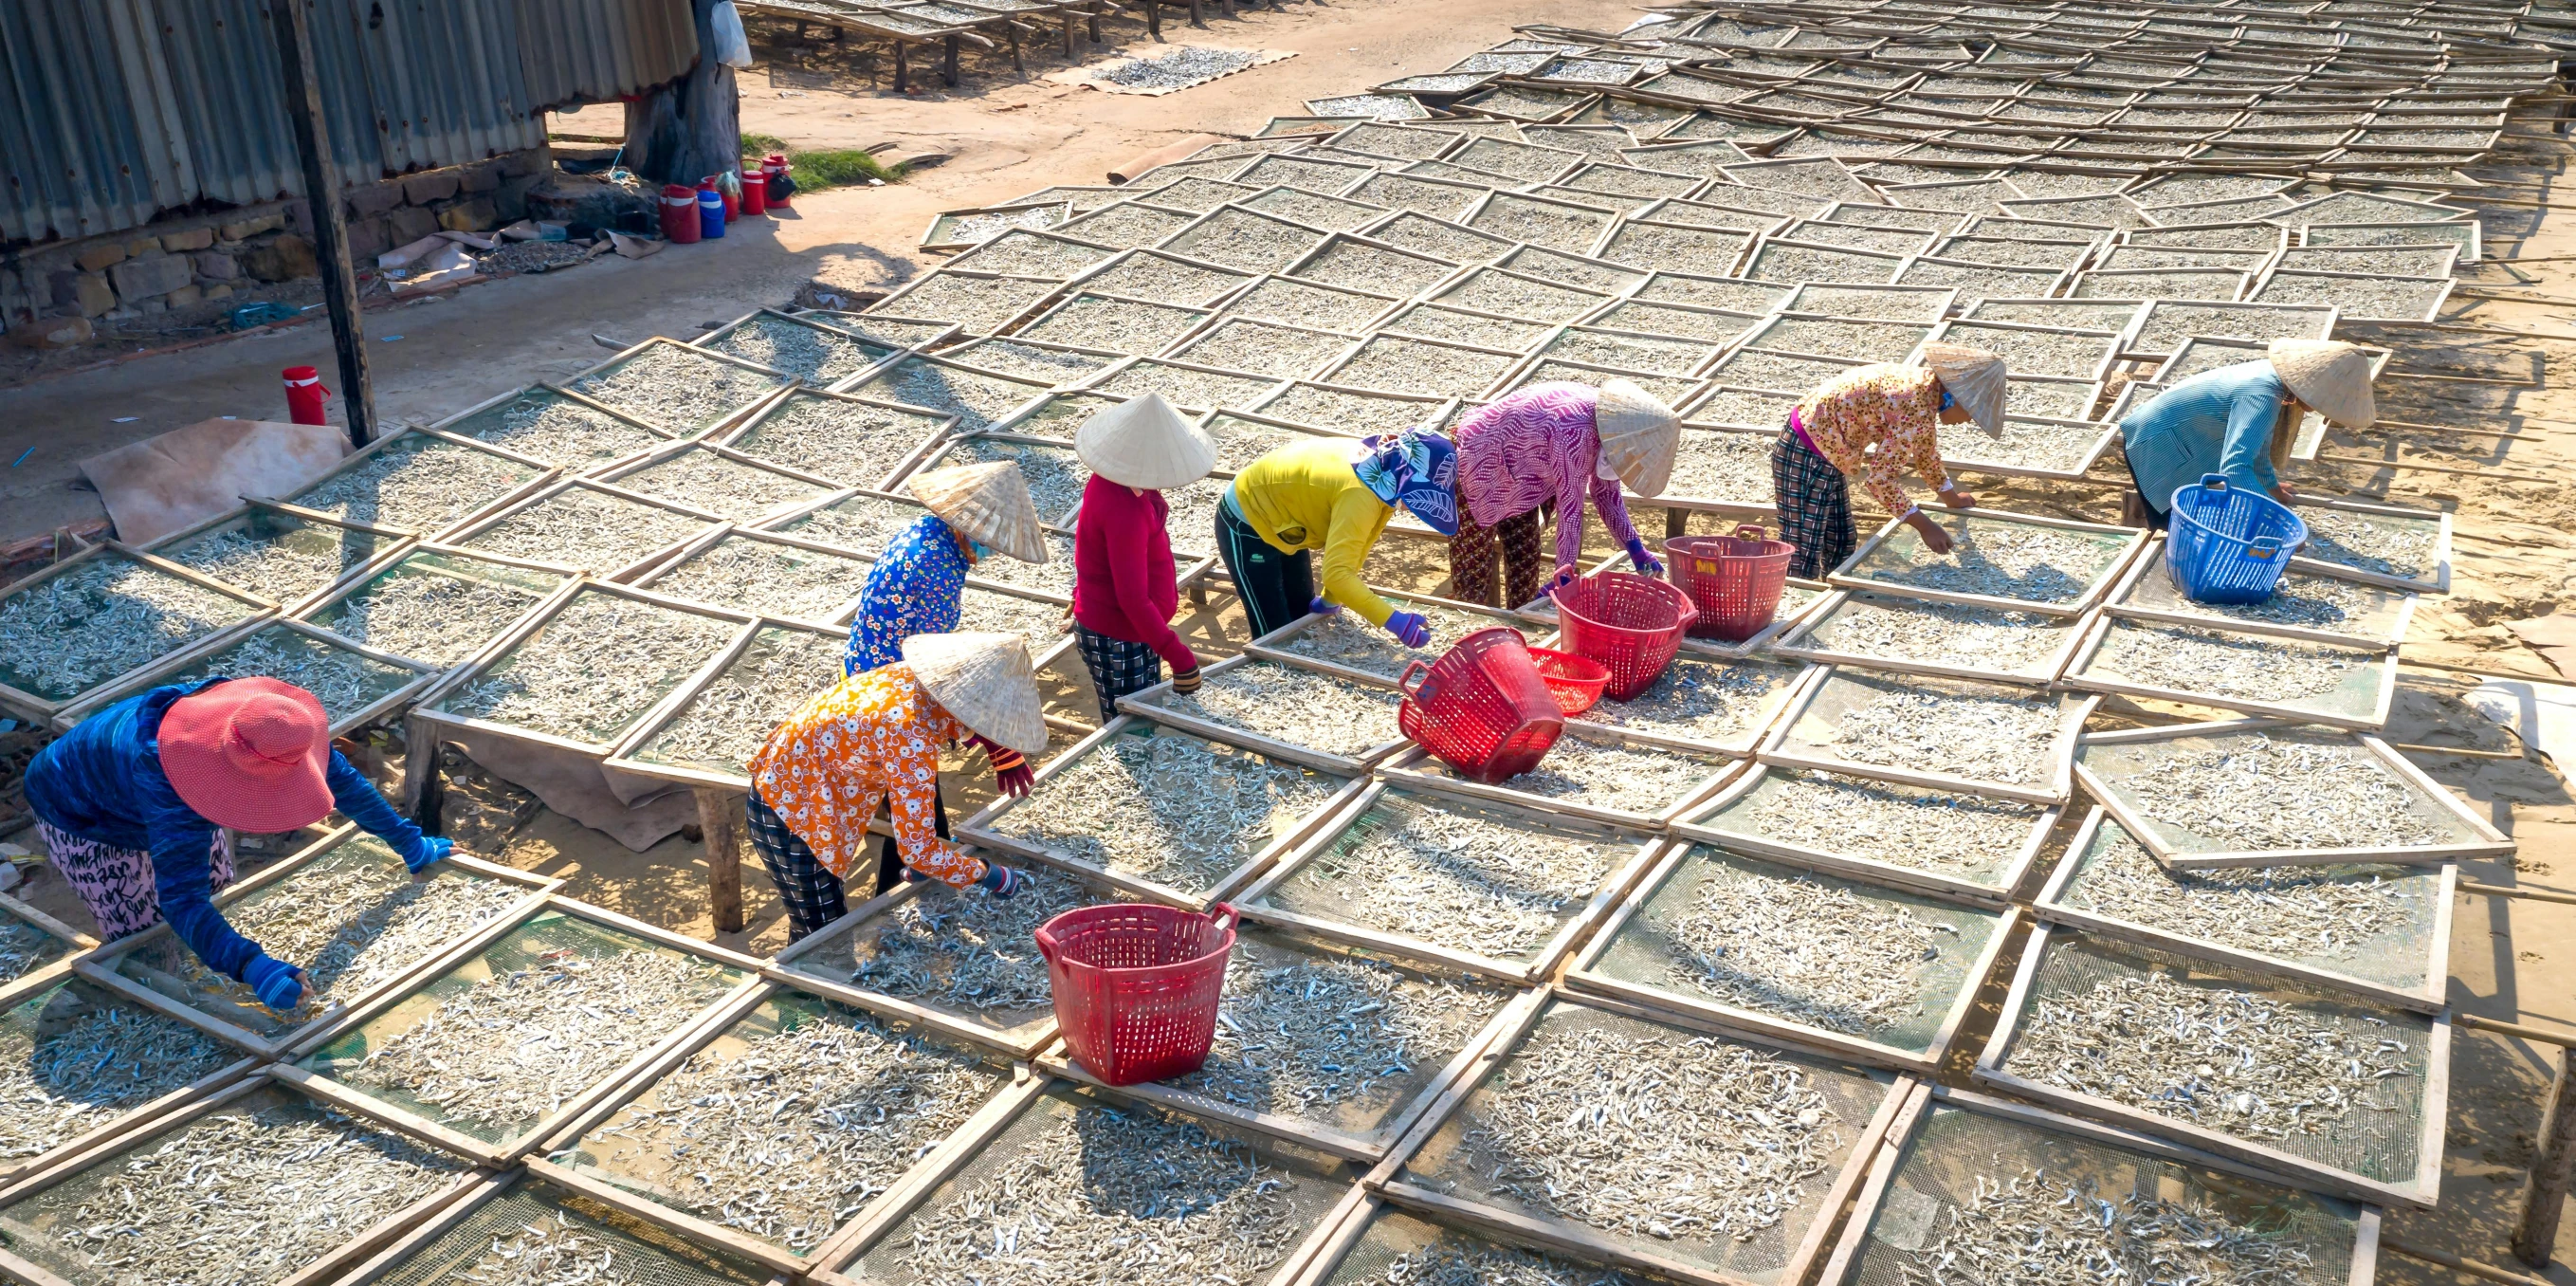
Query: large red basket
x=1136 y=986
x=1481 y=708
x=1631 y=624
x=1734 y=581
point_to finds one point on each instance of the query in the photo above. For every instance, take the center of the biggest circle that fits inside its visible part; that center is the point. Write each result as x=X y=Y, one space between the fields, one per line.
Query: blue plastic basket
x=2229 y=545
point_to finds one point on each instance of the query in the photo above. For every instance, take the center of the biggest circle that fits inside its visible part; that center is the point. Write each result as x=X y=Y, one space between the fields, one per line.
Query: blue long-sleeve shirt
x=103 y=782
x=2218 y=422
x=918 y=586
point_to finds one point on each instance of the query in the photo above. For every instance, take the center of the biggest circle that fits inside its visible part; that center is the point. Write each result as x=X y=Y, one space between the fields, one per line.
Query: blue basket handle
x=2213 y=482
x=2263 y=549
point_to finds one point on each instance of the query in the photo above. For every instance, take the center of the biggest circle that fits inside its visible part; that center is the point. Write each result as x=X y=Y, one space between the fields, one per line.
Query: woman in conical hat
x=1124 y=591
x=872 y=741
x=1872 y=423
x=1554 y=442
x=2240 y=422
x=918 y=585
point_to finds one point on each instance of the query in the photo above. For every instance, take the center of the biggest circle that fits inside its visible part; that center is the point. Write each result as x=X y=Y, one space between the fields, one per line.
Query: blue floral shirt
x=916 y=587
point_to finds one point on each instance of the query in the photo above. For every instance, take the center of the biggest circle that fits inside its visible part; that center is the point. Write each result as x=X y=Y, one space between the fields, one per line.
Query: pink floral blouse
x=1872 y=422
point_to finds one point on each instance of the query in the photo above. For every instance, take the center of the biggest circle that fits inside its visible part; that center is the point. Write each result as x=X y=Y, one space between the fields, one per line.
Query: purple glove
x=1409 y=628
x=1646 y=563
x=1322 y=606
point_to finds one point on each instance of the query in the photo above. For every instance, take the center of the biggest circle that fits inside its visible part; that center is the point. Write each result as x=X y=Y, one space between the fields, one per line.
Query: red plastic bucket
x=1575 y=681
x=1734 y=581
x=1136 y=986
x=774 y=168
x=304 y=394
x=679 y=213
x=755 y=191
x=1482 y=708
x=1630 y=624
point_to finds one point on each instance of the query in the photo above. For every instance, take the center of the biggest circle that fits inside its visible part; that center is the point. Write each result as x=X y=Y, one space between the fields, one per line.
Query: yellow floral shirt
x=1874 y=421
x=873 y=737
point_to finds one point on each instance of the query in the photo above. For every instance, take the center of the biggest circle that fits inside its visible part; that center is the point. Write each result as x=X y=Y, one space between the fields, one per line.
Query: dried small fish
x=580 y=527
x=961 y=950
x=758 y=576
x=416 y=483
x=346 y=681
x=2243 y=667
x=1300 y=707
x=1358 y=411
x=74 y=1058
x=2288 y=912
x=1988 y=735
x=2258 y=792
x=719 y=484
x=25 y=948
x=1714 y=701
x=985 y=611
x=1342 y=1039
x=1168 y=807
x=1953 y=634
x=1967 y=836
x=1453 y=875
x=809 y=352
x=2033 y=1230
x=1997 y=559
x=108 y=616
x=593 y=669
x=1358 y=645
x=726 y=722
x=1454 y=1259
x=2372 y=542
x=280 y=562
x=678 y=388
x=1606 y=774
x=857 y=443
x=427 y=614
x=980 y=305
x=556 y=429
x=1811 y=952
x=1122 y=325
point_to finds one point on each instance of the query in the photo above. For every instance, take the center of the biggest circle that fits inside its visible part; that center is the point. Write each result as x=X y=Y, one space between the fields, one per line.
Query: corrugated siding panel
x=595 y=51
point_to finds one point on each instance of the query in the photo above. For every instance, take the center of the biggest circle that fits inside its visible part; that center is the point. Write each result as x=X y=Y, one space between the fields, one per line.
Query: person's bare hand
x=1958 y=499
x=2281 y=491
x=1934 y=538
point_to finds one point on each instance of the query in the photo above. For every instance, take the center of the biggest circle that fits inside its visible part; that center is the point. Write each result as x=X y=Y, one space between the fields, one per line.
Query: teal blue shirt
x=2218 y=422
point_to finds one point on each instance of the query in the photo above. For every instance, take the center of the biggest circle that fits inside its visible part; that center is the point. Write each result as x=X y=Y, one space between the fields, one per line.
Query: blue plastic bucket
x=2227 y=544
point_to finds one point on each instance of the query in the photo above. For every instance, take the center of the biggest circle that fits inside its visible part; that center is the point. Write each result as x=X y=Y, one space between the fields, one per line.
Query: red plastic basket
x=1630 y=624
x=1136 y=986
x=1574 y=681
x=1734 y=581
x=1482 y=707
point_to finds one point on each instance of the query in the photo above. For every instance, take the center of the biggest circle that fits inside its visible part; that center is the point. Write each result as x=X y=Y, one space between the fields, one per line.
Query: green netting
x=25 y=948
x=277 y=556
x=345 y=680
x=76 y=1056
x=2371 y=921
x=107 y=616
x=1999 y=557
x=1983 y=639
x=789 y=1122
x=726 y=721
x=1957 y=1155
x=539 y=1235
x=512 y=1033
x=2004 y=736
x=2272 y=789
x=2327 y=603
x=2085 y=995
x=593 y=670
x=1945 y=833
x=2240 y=671
x=1402 y=1250
x=960 y=954
x=1500 y=882
x=352 y=919
x=1811 y=950
x=436 y=608
x=1077 y=1191
x=1679 y=1170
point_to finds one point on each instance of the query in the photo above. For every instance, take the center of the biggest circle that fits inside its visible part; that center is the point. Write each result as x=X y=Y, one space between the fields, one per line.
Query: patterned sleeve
x=909 y=749
x=916 y=587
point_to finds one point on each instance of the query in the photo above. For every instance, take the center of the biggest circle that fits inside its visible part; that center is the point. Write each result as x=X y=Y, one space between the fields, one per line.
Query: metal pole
x=303 y=87
x=2537 y=1229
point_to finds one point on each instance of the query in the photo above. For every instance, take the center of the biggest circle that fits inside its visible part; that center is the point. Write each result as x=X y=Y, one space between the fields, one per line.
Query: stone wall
x=192 y=260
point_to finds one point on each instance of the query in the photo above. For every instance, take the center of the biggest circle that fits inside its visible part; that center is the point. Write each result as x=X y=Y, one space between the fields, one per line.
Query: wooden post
x=948 y=60
x=2537 y=1230
x=1068 y=35
x=901 y=72
x=1198 y=13
x=1094 y=11
x=1013 y=30
x=1676 y=522
x=1228 y=7
x=293 y=27
x=1154 y=19
x=720 y=819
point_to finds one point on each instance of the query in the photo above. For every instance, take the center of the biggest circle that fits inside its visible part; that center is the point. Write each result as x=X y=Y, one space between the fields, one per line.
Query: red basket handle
x=1749 y=531
x=1046 y=943
x=1404 y=681
x=1222 y=915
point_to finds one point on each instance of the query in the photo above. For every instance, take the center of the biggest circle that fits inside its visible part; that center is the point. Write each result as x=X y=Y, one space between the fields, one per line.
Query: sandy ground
x=2511 y=958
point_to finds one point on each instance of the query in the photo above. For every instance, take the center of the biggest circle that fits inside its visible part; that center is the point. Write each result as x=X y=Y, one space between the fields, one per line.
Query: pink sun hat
x=250 y=754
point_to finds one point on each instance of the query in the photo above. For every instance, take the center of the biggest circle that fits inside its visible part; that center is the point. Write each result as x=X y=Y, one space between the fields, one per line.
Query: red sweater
x=1122 y=570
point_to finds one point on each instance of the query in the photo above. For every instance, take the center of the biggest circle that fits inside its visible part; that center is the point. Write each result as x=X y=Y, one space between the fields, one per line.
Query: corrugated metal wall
x=112 y=111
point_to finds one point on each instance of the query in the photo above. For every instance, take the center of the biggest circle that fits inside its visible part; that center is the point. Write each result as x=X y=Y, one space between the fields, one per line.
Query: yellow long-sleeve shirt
x=1305 y=496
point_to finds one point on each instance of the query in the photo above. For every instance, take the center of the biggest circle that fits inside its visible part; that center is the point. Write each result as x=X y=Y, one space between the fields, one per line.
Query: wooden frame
x=1390 y=1181
x=542 y=474
x=731 y=438
x=2441 y=286
x=1741 y=746
x=2117 y=342
x=2073 y=711
x=838 y=617
x=1273 y=645
x=2096 y=633
x=2249 y=308
x=711 y=429
x=2052 y=907
x=565 y=577
x=933 y=243
x=2440 y=583
x=894 y=303
x=43 y=709
x=326 y=1268
x=76 y=945
x=1585 y=976
x=2151 y=561
x=462 y=536
x=2490 y=842
x=386 y=1261
x=2006 y=883
x=2133 y=539
x=1540 y=962
x=78 y=1150
x=621 y=755
x=2472 y=248
x=423 y=675
x=660 y=456
x=445 y=424
x=1901 y=1135
x=1412 y=770
x=1148 y=703
x=394 y=543
x=708 y=341
x=312 y=1040
x=2420 y=1192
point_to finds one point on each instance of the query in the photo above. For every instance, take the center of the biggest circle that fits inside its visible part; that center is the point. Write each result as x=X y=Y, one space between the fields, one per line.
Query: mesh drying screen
x=2279 y=788
x=539 y=1235
x=1803 y=948
x=2370 y=921
x=75 y=1056
x=1357 y=645
x=862 y=523
x=2240 y=669
x=556 y=429
x=2008 y=736
x=1160 y=804
x=1496 y=881
x=353 y=919
x=277 y=556
x=2170 y=1038
x=1945 y=833
x=749 y=574
x=2407 y=546
x=1956 y=1154
x=437 y=608
x=593 y=669
x=1076 y=1191
x=789 y=1122
x=526 y=1024
x=1998 y=557
x=24 y=948
x=1723 y=705
x=1401 y=1250
x=2328 y=603
x=344 y=679
x=106 y=616
x=676 y=387
x=1700 y=1148
x=725 y=722
x=961 y=954
x=417 y=483
x=1984 y=639
x=248 y=1194
x=1596 y=770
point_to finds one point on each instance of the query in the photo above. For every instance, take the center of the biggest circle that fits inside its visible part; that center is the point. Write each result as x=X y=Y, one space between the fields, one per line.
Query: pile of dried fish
x=2288 y=912
x=280 y=565
x=1452 y=877
x=88 y=625
x=1804 y=950
x=1953 y=634
x=1989 y=736
x=1455 y=1260
x=25 y=948
x=507 y=1049
x=2225 y=1057
x=1108 y=1195
x=593 y=669
x=1300 y=707
x=427 y=615
x=1903 y=825
x=720 y=484
x=1654 y=1135
x=757 y=576
x=73 y=1059
x=1333 y=1038
x=2257 y=792
x=1701 y=700
x=1343 y=640
x=2032 y=1230
x=1999 y=560
x=2244 y=667
x=965 y=951
x=1605 y=774
x=1171 y=808
x=553 y=1251
x=363 y=922
x=723 y=726
x=2371 y=543
x=2313 y=602
x=809 y=352
x=791 y=1133
x=244 y=1195
x=417 y=484
x=556 y=429
x=676 y=387
x=593 y=530
x=345 y=681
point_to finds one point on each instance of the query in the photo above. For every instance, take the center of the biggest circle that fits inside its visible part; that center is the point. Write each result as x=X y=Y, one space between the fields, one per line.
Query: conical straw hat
x=1143 y=442
x=1639 y=434
x=1975 y=379
x=2329 y=375
x=986 y=681
x=987 y=502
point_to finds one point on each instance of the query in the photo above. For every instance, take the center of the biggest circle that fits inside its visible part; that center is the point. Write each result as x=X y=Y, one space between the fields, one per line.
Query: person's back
x=2218 y=421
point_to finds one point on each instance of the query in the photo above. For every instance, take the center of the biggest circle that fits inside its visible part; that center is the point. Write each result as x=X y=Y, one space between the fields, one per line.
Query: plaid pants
x=1815 y=507
x=1117 y=667
x=1525 y=553
x=813 y=896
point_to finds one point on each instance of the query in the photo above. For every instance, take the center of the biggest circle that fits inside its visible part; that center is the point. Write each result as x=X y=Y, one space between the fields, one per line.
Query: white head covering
x=1144 y=442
